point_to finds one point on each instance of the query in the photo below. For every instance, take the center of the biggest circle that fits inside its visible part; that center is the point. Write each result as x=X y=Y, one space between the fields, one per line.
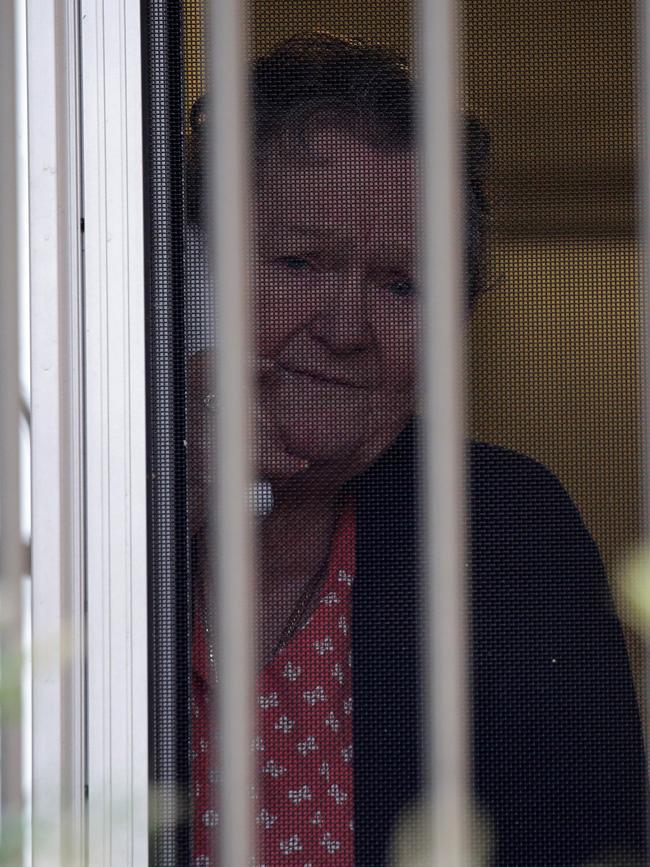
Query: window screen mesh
x=553 y=391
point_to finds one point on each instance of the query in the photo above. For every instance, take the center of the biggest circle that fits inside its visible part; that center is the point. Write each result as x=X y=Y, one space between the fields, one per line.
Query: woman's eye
x=402 y=288
x=294 y=263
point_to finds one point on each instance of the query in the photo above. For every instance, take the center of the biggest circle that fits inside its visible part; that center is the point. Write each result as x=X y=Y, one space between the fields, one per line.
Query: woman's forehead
x=341 y=184
x=383 y=239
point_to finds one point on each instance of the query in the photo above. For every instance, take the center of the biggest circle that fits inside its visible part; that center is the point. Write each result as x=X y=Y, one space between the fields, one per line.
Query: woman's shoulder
x=522 y=524
x=507 y=485
x=504 y=470
x=502 y=484
x=516 y=501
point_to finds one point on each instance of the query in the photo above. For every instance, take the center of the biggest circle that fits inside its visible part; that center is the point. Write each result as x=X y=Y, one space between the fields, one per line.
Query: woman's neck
x=293 y=553
x=294 y=539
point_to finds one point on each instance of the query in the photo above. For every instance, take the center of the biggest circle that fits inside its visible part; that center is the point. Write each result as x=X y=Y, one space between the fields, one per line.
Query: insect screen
x=547 y=123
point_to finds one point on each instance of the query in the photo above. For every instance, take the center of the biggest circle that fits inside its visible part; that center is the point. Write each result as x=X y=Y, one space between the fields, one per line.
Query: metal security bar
x=443 y=380
x=11 y=747
x=233 y=597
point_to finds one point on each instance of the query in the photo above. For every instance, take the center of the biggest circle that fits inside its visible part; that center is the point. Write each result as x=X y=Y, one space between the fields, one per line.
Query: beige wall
x=554 y=372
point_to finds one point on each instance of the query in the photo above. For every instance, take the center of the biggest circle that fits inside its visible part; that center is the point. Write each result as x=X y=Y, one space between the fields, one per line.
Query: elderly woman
x=558 y=759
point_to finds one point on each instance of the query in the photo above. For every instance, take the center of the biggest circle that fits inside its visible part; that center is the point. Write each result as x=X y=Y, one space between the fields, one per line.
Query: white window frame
x=115 y=433
x=90 y=684
x=11 y=719
x=57 y=448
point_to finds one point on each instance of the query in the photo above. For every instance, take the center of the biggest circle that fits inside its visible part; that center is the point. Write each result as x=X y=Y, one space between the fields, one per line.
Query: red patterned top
x=304 y=795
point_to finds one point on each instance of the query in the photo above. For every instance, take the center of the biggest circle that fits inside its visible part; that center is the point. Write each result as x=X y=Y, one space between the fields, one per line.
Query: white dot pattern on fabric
x=311 y=696
x=210 y=818
x=274 y=769
x=266 y=819
x=291 y=671
x=284 y=724
x=331 y=598
x=303 y=747
x=325 y=645
x=332 y=722
x=291 y=845
x=344 y=578
x=297 y=796
x=330 y=843
x=309 y=745
x=336 y=792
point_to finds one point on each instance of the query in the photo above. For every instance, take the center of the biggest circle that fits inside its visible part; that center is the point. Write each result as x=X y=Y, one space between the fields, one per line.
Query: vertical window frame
x=57 y=444
x=115 y=432
x=90 y=739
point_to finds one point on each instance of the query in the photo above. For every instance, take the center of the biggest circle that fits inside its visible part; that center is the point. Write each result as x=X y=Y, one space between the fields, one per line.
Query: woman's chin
x=321 y=443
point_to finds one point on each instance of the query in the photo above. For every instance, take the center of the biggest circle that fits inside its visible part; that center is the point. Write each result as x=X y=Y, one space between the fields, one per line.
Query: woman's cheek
x=271 y=320
x=280 y=312
x=269 y=335
x=398 y=341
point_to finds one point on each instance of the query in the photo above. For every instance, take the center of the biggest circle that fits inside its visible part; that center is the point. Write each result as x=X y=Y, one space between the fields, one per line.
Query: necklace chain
x=296 y=617
x=294 y=620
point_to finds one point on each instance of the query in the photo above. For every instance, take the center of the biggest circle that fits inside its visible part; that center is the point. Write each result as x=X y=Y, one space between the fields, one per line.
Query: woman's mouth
x=318 y=377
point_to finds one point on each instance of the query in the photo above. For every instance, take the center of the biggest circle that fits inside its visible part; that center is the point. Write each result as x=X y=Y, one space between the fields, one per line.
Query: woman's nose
x=343 y=322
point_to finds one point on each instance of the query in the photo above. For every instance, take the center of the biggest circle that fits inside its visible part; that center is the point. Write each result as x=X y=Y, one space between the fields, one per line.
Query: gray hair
x=363 y=88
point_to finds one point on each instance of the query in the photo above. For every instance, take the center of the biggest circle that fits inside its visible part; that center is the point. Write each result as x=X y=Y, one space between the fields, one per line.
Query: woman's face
x=334 y=297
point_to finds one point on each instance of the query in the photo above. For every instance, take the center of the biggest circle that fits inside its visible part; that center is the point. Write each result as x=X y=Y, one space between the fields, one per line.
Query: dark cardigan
x=558 y=753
